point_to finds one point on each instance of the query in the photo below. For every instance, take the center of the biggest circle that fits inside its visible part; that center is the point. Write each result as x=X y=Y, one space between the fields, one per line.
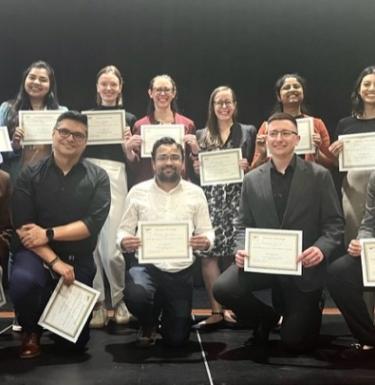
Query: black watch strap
x=50 y=234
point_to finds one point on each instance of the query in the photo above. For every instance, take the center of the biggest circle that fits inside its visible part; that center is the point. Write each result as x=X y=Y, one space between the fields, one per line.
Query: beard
x=172 y=177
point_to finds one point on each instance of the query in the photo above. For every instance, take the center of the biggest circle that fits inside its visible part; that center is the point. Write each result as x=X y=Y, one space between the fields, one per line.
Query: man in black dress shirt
x=58 y=208
x=284 y=193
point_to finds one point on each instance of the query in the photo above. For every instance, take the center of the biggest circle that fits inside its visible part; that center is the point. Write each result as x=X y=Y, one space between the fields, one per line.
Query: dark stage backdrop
x=246 y=44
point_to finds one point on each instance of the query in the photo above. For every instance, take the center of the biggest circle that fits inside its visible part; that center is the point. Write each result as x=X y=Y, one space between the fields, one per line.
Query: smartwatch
x=50 y=234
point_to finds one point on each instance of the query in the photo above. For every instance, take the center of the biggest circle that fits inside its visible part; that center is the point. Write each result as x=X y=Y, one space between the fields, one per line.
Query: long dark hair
x=151 y=107
x=22 y=100
x=357 y=102
x=110 y=69
x=278 y=107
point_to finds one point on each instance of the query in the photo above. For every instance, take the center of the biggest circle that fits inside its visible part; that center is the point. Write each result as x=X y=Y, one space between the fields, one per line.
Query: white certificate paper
x=150 y=133
x=105 y=127
x=368 y=261
x=2 y=294
x=165 y=242
x=273 y=251
x=358 y=152
x=220 y=167
x=68 y=309
x=38 y=126
x=4 y=140
x=305 y=131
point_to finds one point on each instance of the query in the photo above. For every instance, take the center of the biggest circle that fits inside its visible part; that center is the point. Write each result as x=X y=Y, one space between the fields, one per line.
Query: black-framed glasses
x=283 y=133
x=65 y=133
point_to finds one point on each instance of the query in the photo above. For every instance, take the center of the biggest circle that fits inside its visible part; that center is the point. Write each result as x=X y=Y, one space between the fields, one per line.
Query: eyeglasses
x=283 y=133
x=163 y=90
x=65 y=133
x=222 y=103
x=165 y=158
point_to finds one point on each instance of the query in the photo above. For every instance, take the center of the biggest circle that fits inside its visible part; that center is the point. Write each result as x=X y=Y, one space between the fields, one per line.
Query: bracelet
x=54 y=260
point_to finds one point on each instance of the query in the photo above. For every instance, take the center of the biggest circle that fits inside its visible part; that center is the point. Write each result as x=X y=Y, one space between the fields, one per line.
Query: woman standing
x=222 y=132
x=37 y=91
x=162 y=109
x=290 y=92
x=109 y=260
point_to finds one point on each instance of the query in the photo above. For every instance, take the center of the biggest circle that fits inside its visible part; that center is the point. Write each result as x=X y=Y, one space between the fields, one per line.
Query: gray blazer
x=312 y=207
x=367 y=228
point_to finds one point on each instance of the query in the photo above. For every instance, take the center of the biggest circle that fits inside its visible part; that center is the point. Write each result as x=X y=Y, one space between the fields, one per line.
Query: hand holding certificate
x=165 y=241
x=305 y=131
x=5 y=145
x=273 y=251
x=220 y=167
x=368 y=261
x=68 y=309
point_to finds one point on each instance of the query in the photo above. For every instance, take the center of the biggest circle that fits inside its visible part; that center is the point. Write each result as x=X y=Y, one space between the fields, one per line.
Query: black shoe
x=356 y=353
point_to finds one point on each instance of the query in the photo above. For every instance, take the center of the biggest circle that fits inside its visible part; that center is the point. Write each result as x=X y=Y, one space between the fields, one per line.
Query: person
x=286 y=192
x=165 y=286
x=58 y=208
x=162 y=109
x=345 y=284
x=222 y=132
x=290 y=91
x=109 y=260
x=38 y=91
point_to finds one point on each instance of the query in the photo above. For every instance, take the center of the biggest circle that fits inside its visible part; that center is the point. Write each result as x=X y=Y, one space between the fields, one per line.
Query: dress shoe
x=99 y=318
x=213 y=322
x=357 y=353
x=122 y=315
x=146 y=337
x=30 y=347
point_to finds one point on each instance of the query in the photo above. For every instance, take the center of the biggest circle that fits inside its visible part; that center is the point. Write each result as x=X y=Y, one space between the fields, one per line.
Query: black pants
x=346 y=287
x=150 y=292
x=238 y=290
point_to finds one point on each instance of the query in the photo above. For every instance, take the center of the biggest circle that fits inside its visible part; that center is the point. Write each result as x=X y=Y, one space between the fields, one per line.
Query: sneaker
x=121 y=315
x=146 y=338
x=16 y=327
x=99 y=318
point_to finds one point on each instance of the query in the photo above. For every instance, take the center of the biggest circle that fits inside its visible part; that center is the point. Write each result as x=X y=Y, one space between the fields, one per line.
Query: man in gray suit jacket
x=345 y=284
x=284 y=193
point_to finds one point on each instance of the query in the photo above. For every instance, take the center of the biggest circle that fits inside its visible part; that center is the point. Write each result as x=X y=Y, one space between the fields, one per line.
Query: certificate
x=2 y=294
x=68 y=309
x=220 y=167
x=273 y=251
x=165 y=242
x=305 y=131
x=368 y=261
x=105 y=127
x=4 y=140
x=38 y=126
x=358 y=152
x=150 y=133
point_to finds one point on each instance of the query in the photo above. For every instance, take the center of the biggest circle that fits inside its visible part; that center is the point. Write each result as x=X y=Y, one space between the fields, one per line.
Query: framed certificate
x=358 y=152
x=165 y=242
x=368 y=261
x=305 y=131
x=150 y=133
x=220 y=167
x=38 y=125
x=2 y=294
x=68 y=309
x=105 y=127
x=273 y=251
x=4 y=140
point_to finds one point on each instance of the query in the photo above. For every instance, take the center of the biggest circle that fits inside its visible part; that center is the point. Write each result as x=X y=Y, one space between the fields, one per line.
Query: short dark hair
x=166 y=140
x=357 y=102
x=72 y=115
x=282 y=116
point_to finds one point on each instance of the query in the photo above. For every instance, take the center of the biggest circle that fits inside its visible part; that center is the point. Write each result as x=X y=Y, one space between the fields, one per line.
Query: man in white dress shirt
x=164 y=290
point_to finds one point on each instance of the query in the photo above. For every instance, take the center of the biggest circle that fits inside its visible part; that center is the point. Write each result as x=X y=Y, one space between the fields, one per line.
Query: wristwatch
x=50 y=234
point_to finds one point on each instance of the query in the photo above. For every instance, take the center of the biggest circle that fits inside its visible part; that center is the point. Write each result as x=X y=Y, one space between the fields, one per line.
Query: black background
x=246 y=44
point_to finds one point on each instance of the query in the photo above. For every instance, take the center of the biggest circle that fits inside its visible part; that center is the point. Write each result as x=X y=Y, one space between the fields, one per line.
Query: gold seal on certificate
x=68 y=309
x=165 y=242
x=150 y=133
x=305 y=131
x=2 y=294
x=5 y=145
x=358 y=152
x=273 y=251
x=105 y=127
x=368 y=261
x=38 y=126
x=220 y=167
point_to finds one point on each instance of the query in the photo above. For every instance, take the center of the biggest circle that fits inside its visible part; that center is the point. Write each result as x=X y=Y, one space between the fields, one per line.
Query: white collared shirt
x=146 y=201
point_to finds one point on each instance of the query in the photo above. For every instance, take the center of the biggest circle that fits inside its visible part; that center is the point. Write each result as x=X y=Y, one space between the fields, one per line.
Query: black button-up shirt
x=280 y=187
x=45 y=196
